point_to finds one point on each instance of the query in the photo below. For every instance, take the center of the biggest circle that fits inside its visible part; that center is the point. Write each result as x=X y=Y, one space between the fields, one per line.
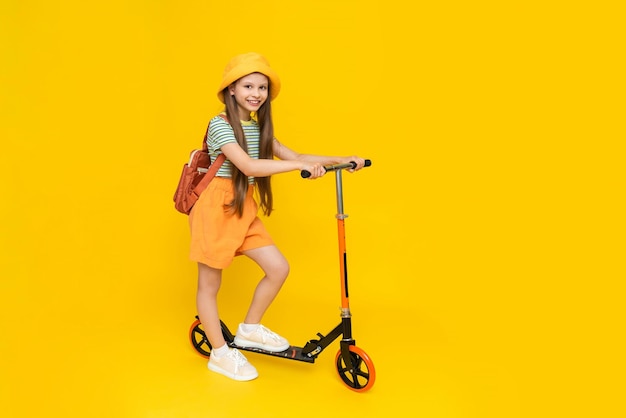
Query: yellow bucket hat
x=245 y=64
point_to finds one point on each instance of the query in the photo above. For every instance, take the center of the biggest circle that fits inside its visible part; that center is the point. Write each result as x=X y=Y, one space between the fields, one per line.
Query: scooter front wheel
x=359 y=375
x=198 y=339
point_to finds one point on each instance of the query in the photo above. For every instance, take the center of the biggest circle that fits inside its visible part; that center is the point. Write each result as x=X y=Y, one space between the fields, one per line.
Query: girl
x=224 y=221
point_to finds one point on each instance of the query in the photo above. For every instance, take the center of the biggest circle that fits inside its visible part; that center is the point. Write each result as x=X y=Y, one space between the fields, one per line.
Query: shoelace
x=238 y=358
x=266 y=333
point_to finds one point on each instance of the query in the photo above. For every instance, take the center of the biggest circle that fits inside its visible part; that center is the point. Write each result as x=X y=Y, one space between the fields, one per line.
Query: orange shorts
x=217 y=233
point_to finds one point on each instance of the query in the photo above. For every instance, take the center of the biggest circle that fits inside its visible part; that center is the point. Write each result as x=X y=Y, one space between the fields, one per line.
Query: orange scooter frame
x=354 y=366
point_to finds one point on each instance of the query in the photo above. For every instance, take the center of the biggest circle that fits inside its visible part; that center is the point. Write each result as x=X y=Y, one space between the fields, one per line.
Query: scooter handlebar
x=306 y=174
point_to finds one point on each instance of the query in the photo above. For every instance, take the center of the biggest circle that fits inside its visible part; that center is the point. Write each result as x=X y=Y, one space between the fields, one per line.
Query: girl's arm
x=263 y=167
x=284 y=153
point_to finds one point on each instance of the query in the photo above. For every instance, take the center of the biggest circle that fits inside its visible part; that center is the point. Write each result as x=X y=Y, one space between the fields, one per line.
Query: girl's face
x=250 y=93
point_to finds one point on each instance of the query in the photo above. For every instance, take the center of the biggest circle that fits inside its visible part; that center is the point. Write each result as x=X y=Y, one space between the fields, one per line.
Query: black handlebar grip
x=367 y=163
x=305 y=174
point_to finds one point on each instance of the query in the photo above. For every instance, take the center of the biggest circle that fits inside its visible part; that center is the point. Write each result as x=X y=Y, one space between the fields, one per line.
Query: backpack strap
x=215 y=165
x=209 y=175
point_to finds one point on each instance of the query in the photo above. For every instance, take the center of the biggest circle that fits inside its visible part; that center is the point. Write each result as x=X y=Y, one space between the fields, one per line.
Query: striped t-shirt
x=221 y=133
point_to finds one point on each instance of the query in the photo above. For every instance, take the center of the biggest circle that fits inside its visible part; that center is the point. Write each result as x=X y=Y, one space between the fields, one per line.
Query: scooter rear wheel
x=360 y=374
x=198 y=339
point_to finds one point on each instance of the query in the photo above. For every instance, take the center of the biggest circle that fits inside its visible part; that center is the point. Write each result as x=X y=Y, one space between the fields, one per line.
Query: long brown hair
x=266 y=151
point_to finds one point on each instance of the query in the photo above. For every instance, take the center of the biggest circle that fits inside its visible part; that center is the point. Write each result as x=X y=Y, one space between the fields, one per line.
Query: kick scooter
x=354 y=366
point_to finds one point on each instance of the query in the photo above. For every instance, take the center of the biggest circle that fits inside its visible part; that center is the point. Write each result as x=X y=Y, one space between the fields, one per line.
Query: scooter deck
x=292 y=353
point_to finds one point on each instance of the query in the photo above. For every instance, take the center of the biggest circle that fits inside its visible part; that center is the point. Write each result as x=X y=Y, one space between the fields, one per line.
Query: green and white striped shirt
x=221 y=133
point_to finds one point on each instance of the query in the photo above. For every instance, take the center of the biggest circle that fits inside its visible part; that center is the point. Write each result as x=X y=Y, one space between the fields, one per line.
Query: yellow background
x=485 y=244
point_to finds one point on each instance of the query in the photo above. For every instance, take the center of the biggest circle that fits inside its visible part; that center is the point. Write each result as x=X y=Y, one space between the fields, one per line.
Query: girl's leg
x=230 y=362
x=276 y=269
x=209 y=281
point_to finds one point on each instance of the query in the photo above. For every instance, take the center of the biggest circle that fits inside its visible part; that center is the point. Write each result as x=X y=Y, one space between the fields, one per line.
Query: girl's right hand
x=316 y=170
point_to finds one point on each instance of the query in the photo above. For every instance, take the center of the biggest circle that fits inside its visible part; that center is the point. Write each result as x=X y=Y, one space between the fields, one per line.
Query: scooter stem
x=343 y=262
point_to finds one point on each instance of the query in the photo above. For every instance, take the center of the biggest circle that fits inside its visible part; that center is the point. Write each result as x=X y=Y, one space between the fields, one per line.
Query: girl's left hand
x=360 y=162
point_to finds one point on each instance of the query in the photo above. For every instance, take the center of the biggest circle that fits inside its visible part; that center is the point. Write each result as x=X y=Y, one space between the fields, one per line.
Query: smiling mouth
x=254 y=102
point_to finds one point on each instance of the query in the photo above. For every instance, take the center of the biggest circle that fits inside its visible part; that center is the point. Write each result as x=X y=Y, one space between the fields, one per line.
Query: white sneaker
x=261 y=338
x=233 y=365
